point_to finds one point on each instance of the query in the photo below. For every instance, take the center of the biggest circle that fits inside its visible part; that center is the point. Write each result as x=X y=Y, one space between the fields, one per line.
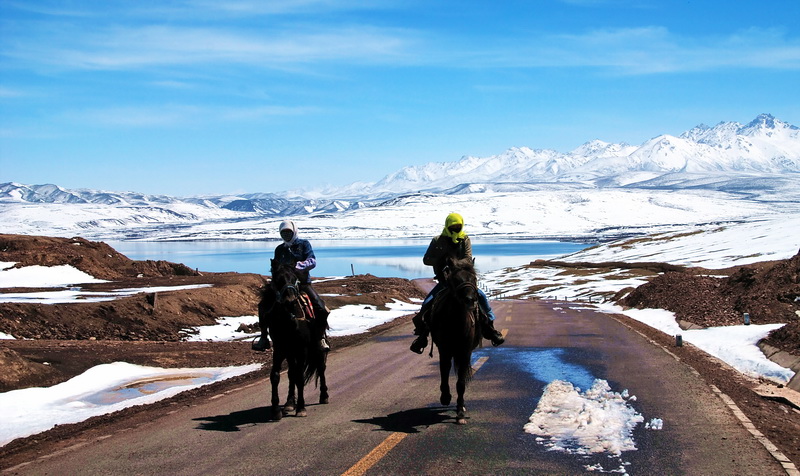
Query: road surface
x=384 y=416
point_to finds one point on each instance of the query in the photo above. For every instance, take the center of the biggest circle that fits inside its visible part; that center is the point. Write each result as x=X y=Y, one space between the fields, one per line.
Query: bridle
x=290 y=289
x=289 y=297
x=467 y=285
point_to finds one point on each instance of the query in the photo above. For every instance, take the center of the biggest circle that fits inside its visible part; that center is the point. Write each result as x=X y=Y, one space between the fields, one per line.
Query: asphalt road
x=384 y=416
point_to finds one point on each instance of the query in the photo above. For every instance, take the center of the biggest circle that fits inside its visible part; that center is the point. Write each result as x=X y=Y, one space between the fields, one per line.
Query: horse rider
x=297 y=252
x=453 y=241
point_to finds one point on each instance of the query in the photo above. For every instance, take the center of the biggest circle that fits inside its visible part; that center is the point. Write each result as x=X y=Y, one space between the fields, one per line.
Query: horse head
x=461 y=279
x=285 y=283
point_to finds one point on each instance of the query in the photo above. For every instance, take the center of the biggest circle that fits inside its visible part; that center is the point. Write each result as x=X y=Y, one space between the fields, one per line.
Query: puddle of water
x=150 y=386
x=545 y=365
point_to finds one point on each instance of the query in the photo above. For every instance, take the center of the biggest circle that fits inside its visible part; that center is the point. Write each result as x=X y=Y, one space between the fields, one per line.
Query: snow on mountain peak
x=767 y=125
x=763 y=121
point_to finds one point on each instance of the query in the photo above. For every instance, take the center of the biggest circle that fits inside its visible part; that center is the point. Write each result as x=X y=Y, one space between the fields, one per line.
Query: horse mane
x=462 y=264
x=275 y=267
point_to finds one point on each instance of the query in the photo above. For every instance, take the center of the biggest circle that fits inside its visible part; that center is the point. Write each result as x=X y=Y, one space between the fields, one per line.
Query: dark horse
x=454 y=328
x=295 y=336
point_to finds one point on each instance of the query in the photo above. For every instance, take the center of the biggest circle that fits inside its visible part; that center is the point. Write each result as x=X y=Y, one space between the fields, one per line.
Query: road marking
x=479 y=363
x=375 y=455
x=504 y=332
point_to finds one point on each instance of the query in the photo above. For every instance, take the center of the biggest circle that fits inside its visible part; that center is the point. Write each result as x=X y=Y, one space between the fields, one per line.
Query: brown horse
x=454 y=328
x=295 y=336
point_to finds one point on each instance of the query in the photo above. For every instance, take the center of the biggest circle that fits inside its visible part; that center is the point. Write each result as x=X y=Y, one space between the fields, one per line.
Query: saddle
x=305 y=305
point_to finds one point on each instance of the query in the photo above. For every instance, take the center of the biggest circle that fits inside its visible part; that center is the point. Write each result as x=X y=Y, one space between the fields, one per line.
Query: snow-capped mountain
x=765 y=145
x=759 y=162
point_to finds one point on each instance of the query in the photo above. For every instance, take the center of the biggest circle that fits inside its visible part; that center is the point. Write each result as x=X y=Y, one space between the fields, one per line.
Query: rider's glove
x=301 y=265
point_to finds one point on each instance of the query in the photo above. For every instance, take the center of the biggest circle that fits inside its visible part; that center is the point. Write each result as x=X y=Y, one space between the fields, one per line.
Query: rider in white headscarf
x=297 y=252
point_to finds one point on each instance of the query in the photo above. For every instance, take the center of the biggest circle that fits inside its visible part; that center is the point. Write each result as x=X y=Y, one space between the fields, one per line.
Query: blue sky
x=204 y=97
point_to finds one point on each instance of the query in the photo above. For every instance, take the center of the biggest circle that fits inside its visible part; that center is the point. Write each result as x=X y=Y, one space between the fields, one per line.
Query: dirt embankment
x=93 y=257
x=768 y=292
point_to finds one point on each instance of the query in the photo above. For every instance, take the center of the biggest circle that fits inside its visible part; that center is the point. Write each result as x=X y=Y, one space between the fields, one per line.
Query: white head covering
x=288 y=225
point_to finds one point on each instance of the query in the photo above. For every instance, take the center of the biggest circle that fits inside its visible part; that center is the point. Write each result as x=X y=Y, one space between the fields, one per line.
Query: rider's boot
x=420 y=342
x=263 y=343
x=322 y=317
x=490 y=333
x=421 y=331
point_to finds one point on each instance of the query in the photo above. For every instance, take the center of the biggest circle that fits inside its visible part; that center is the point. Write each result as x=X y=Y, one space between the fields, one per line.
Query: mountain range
x=766 y=145
x=762 y=156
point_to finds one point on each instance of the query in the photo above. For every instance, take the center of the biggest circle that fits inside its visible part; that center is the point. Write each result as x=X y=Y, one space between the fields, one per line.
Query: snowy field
x=551 y=210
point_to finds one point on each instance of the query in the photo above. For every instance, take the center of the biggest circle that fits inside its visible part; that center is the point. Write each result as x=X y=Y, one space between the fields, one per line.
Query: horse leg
x=323 y=387
x=299 y=381
x=461 y=387
x=275 y=380
x=444 y=370
x=291 y=402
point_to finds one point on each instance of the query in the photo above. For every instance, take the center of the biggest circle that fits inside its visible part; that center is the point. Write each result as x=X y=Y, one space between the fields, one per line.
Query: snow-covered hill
x=729 y=172
x=764 y=146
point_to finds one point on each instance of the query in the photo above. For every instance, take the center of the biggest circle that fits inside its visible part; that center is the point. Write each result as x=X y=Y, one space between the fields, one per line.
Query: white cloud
x=650 y=50
x=131 y=48
x=175 y=115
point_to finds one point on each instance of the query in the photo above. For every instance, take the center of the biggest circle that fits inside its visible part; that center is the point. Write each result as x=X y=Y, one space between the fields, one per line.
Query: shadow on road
x=232 y=421
x=408 y=421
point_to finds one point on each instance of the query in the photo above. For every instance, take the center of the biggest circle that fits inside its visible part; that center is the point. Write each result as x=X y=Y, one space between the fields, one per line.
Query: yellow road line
x=375 y=455
x=504 y=332
x=479 y=363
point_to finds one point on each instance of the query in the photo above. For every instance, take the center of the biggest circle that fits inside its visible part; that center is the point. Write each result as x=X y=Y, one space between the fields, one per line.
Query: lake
x=389 y=258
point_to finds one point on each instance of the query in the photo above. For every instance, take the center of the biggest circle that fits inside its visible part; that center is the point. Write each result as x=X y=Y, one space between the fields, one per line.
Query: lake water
x=389 y=258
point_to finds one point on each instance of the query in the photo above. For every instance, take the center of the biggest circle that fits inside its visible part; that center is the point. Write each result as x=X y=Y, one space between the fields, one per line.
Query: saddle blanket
x=305 y=304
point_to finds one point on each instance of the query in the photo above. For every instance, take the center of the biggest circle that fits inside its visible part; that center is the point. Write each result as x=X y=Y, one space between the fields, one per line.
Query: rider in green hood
x=453 y=241
x=454 y=228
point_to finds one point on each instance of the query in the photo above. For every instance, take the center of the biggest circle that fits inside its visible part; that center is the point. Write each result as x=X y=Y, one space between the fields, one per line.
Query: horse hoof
x=323 y=400
x=461 y=421
x=287 y=409
x=277 y=414
x=301 y=413
x=445 y=400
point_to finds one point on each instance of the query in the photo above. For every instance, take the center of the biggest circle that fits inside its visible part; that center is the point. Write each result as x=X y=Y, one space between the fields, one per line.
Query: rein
x=465 y=285
x=291 y=286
